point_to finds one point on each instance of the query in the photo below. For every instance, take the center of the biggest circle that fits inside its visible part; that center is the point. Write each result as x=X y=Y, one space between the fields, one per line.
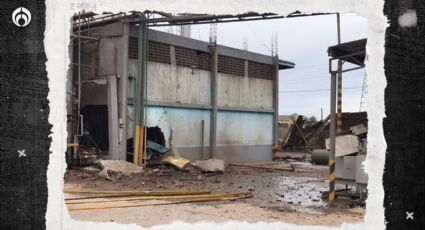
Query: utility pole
x=339 y=80
x=336 y=79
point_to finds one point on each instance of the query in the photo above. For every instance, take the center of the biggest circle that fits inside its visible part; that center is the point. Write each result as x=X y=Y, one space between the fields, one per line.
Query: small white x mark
x=22 y=153
x=409 y=215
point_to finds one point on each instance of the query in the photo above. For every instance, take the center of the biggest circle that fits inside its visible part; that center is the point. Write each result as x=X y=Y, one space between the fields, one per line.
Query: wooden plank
x=138 y=192
x=131 y=198
x=206 y=199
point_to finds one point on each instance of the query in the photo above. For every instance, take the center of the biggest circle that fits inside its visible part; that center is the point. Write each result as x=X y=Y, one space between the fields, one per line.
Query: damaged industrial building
x=179 y=120
x=208 y=100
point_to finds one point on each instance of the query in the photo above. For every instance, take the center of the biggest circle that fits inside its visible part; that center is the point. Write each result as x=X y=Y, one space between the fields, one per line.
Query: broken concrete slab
x=104 y=174
x=211 y=165
x=178 y=162
x=120 y=166
x=91 y=169
x=344 y=145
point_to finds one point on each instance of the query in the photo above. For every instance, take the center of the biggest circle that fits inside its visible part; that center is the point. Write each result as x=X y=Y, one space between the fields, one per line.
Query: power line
x=257 y=37
x=317 y=90
x=305 y=79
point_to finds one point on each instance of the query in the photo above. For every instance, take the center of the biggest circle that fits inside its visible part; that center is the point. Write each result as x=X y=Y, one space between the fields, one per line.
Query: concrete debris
x=104 y=174
x=120 y=166
x=293 y=155
x=268 y=167
x=344 y=145
x=211 y=165
x=316 y=134
x=91 y=169
x=176 y=161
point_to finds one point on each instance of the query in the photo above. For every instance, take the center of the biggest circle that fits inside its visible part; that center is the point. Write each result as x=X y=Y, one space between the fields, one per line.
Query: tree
x=293 y=116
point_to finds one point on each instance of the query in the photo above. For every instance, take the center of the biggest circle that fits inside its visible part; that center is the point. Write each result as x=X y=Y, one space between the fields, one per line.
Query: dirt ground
x=291 y=197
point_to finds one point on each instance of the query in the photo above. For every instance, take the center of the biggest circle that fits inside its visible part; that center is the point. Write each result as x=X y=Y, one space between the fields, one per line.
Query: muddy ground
x=291 y=197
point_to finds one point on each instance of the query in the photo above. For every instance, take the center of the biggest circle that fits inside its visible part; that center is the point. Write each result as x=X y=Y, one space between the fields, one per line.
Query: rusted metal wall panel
x=170 y=83
x=244 y=92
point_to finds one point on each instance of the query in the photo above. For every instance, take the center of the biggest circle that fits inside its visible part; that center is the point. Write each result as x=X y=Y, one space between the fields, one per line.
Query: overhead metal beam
x=169 y=20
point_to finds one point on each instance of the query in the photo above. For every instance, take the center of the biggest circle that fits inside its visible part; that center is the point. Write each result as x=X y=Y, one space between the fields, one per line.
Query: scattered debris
x=176 y=161
x=269 y=167
x=211 y=165
x=104 y=174
x=91 y=169
x=312 y=137
x=120 y=166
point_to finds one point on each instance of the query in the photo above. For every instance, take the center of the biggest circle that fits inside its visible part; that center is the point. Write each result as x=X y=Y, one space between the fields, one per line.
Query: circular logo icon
x=21 y=16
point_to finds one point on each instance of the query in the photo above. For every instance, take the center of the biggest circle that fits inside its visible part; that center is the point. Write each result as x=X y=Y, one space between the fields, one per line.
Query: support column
x=214 y=72
x=339 y=100
x=140 y=94
x=275 y=106
x=332 y=135
x=339 y=97
x=122 y=70
x=113 y=118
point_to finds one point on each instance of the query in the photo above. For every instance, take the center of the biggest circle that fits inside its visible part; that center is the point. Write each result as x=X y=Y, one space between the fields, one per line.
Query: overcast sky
x=304 y=41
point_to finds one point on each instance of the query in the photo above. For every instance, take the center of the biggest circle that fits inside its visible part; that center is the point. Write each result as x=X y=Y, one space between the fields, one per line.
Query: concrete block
x=361 y=176
x=345 y=167
x=211 y=165
x=344 y=145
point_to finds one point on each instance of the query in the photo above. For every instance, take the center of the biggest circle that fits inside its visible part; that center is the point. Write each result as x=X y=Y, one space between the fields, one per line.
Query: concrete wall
x=182 y=129
x=99 y=60
x=177 y=84
x=244 y=92
x=106 y=57
x=181 y=96
x=243 y=136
